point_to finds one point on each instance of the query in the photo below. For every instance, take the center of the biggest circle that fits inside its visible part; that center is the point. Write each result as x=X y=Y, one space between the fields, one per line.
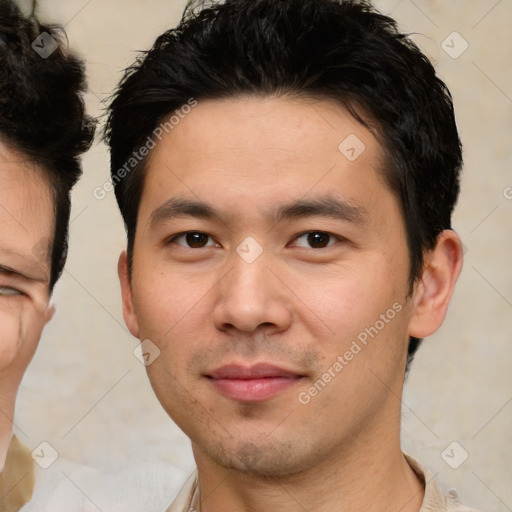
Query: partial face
x=271 y=271
x=26 y=220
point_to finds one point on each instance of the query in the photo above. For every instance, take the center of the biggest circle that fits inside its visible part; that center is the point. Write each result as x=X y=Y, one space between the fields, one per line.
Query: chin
x=276 y=459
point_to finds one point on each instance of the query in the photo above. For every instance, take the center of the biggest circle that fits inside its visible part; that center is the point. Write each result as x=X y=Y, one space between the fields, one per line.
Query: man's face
x=266 y=253
x=26 y=220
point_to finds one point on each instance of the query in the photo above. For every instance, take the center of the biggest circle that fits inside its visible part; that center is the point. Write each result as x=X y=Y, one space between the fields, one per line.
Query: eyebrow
x=326 y=206
x=31 y=270
x=182 y=208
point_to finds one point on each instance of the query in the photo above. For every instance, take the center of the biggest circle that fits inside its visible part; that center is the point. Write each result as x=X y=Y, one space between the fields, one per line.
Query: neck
x=368 y=473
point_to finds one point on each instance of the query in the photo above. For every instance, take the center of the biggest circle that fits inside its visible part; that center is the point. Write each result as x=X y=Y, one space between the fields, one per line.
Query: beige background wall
x=88 y=396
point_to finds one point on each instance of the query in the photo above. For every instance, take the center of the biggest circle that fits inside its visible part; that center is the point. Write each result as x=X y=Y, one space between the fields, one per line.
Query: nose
x=251 y=297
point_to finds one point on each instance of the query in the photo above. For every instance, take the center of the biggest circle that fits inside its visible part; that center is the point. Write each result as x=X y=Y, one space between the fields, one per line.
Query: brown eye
x=196 y=240
x=318 y=239
x=193 y=240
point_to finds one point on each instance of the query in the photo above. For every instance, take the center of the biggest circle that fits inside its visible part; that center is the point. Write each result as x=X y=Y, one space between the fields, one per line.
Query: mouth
x=252 y=383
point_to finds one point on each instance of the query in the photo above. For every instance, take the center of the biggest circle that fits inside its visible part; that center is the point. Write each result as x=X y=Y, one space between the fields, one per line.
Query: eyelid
x=9 y=289
x=173 y=238
x=304 y=233
x=12 y=281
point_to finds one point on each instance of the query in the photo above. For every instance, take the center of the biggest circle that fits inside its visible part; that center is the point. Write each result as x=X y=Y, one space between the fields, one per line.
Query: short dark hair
x=342 y=50
x=42 y=113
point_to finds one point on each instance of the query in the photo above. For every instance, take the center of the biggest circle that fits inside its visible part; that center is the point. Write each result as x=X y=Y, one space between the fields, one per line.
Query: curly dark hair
x=42 y=112
x=334 y=49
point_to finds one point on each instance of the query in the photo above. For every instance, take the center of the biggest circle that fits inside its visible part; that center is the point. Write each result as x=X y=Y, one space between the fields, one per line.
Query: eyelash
x=331 y=235
x=4 y=288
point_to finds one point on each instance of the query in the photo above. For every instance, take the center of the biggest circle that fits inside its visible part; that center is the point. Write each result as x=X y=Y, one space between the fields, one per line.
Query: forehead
x=250 y=152
x=26 y=216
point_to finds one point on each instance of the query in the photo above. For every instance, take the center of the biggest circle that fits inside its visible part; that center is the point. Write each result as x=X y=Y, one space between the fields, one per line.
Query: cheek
x=20 y=330
x=170 y=306
x=346 y=301
x=10 y=336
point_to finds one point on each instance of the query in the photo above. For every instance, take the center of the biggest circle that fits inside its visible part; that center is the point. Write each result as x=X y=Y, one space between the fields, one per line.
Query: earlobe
x=433 y=292
x=49 y=313
x=129 y=315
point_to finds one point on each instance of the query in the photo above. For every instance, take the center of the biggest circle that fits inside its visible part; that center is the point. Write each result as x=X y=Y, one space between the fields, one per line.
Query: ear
x=432 y=293
x=129 y=315
x=49 y=313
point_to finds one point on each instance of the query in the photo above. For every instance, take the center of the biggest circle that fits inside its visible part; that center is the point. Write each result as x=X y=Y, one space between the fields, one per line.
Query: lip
x=255 y=383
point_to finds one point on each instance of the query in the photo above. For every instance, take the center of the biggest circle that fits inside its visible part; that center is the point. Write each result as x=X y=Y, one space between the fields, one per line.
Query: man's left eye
x=5 y=291
x=316 y=240
x=194 y=240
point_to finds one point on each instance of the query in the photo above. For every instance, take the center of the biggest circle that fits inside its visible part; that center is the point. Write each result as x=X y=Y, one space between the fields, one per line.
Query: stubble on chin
x=265 y=459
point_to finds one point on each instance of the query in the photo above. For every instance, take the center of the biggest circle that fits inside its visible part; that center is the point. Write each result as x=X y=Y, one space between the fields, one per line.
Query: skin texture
x=296 y=306
x=26 y=218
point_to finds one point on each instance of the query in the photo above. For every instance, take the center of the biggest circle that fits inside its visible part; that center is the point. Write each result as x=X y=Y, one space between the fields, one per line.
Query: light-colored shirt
x=434 y=500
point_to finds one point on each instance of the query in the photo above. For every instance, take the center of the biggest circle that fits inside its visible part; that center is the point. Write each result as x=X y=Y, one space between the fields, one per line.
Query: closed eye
x=7 y=291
